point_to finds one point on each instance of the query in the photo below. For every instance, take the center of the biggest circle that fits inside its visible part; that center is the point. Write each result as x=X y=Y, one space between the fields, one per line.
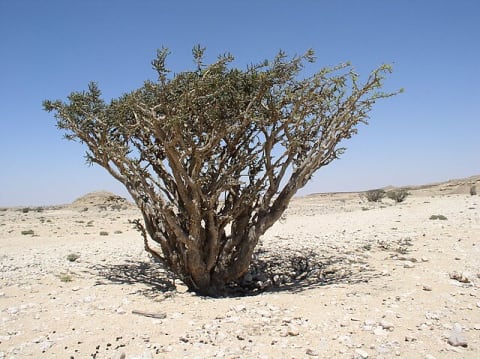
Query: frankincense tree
x=213 y=156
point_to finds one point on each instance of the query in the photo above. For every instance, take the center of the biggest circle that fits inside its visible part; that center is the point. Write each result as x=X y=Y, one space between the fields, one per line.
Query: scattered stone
x=386 y=325
x=240 y=336
x=382 y=349
x=368 y=324
x=379 y=331
x=360 y=353
x=146 y=355
x=13 y=310
x=460 y=277
x=292 y=331
x=120 y=355
x=47 y=344
x=408 y=264
x=240 y=308
x=410 y=338
x=312 y=353
x=432 y=316
x=120 y=311
x=148 y=314
x=456 y=338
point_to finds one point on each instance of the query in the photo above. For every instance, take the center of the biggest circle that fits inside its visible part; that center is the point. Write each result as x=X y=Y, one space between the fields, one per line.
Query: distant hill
x=101 y=200
x=454 y=186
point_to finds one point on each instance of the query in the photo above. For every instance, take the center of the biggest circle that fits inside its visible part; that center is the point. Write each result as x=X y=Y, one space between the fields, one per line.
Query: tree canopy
x=212 y=156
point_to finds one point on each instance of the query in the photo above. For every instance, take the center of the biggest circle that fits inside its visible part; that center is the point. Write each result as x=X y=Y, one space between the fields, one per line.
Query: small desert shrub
x=25 y=210
x=473 y=190
x=90 y=224
x=398 y=195
x=438 y=216
x=118 y=232
x=72 y=257
x=375 y=195
x=367 y=247
x=66 y=278
x=28 y=232
x=103 y=233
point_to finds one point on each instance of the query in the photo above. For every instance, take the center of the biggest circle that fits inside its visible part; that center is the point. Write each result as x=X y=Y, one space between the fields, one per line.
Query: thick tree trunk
x=211 y=260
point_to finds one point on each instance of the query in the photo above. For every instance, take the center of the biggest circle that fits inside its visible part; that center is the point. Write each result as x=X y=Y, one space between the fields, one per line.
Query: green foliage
x=473 y=190
x=219 y=147
x=375 y=195
x=72 y=257
x=438 y=216
x=65 y=278
x=398 y=195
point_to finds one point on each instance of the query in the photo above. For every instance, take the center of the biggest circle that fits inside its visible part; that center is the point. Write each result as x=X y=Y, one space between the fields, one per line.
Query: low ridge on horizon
x=451 y=186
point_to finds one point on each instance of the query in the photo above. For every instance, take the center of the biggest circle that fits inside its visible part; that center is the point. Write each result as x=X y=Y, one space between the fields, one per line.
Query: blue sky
x=429 y=133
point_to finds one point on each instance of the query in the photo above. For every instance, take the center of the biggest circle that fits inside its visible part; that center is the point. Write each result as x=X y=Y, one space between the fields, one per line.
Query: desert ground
x=344 y=278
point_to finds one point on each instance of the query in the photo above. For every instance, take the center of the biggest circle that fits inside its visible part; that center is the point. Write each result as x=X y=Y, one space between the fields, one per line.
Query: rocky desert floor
x=376 y=280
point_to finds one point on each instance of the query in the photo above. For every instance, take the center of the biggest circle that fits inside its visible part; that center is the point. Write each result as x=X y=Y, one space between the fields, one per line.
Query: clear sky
x=50 y=48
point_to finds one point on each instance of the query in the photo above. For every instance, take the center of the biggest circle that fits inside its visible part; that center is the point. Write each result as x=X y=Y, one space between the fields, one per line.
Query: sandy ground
x=394 y=284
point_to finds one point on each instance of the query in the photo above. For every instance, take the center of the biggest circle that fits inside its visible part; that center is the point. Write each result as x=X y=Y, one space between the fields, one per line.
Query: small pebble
x=361 y=353
x=293 y=331
x=379 y=331
x=312 y=353
x=386 y=325
x=410 y=338
x=456 y=338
